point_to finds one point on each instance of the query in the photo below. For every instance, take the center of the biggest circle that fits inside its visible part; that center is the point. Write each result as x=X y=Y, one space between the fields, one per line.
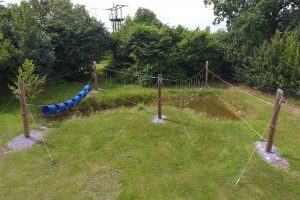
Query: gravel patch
x=159 y=121
x=21 y=142
x=273 y=158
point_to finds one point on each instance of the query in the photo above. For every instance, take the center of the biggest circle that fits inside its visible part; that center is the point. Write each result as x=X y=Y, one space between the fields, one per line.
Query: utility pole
x=277 y=105
x=116 y=16
x=206 y=74
x=159 y=85
x=95 y=76
x=24 y=109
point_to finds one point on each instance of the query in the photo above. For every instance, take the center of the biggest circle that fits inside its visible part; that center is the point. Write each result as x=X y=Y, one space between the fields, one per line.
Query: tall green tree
x=146 y=16
x=78 y=39
x=8 y=59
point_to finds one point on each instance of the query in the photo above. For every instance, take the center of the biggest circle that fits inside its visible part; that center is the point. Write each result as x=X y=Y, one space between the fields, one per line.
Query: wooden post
x=275 y=116
x=159 y=85
x=24 y=109
x=95 y=76
x=206 y=74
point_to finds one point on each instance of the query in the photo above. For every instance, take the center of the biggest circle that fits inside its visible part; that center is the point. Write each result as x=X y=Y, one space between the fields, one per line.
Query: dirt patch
x=2 y=151
x=212 y=108
x=103 y=186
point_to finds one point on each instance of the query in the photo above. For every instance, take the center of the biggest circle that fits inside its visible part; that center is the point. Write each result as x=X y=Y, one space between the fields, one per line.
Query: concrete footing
x=159 y=121
x=273 y=158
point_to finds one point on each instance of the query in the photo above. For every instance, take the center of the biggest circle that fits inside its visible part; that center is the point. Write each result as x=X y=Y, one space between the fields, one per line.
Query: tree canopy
x=260 y=46
x=56 y=35
x=257 y=33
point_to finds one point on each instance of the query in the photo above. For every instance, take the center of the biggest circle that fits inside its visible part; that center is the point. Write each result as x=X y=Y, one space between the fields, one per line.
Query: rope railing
x=254 y=149
x=243 y=120
x=42 y=137
x=7 y=104
x=240 y=90
x=178 y=116
x=154 y=77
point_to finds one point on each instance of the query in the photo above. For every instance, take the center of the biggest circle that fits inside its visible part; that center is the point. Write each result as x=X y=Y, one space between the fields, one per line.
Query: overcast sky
x=189 y=13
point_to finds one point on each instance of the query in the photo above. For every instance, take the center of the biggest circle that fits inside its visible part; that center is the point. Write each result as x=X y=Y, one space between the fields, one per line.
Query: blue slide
x=51 y=109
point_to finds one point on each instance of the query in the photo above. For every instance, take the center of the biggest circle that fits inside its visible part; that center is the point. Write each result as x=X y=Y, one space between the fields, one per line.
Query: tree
x=33 y=41
x=276 y=12
x=276 y=63
x=77 y=38
x=146 y=16
x=177 y=52
x=59 y=37
x=33 y=82
x=250 y=24
x=8 y=59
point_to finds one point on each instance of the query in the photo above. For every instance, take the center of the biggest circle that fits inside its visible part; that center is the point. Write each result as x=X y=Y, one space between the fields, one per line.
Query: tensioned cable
x=120 y=72
x=7 y=104
x=56 y=77
x=240 y=89
x=251 y=156
x=192 y=98
x=125 y=99
x=178 y=116
x=46 y=147
x=256 y=132
x=153 y=77
x=41 y=105
x=185 y=79
x=49 y=154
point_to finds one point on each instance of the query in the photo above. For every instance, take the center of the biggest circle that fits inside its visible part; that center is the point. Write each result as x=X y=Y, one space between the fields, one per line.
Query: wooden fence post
x=159 y=84
x=206 y=74
x=24 y=109
x=275 y=116
x=95 y=76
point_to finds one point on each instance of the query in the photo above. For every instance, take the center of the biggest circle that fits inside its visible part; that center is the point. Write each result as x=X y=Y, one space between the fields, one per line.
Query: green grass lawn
x=121 y=154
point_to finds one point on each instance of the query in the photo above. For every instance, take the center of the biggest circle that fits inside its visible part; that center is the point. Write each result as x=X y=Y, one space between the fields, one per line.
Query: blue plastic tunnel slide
x=60 y=107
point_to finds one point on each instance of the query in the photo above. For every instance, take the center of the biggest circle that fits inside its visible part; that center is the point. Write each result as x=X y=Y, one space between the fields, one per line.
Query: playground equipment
x=60 y=107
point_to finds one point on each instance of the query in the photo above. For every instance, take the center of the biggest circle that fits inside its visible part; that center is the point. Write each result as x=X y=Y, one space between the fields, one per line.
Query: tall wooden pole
x=206 y=74
x=159 y=84
x=23 y=109
x=95 y=76
x=275 y=116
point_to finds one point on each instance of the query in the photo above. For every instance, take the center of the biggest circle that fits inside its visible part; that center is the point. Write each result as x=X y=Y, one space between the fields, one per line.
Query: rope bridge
x=189 y=88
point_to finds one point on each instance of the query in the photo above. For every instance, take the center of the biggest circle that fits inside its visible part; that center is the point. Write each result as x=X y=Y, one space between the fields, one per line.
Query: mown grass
x=121 y=154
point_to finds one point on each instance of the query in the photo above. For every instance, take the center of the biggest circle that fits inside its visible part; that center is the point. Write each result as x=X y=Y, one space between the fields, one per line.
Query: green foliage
x=58 y=36
x=277 y=63
x=252 y=24
x=147 y=49
x=281 y=13
x=77 y=38
x=8 y=57
x=121 y=154
x=33 y=82
x=33 y=41
x=146 y=16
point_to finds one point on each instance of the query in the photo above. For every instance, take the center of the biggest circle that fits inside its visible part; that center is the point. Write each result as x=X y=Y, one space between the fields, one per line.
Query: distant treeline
x=59 y=37
x=260 y=47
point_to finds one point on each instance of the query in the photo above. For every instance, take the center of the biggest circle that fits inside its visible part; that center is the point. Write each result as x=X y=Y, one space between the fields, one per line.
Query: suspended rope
x=254 y=149
x=46 y=147
x=129 y=101
x=250 y=127
x=152 y=77
x=240 y=89
x=184 y=127
x=7 y=104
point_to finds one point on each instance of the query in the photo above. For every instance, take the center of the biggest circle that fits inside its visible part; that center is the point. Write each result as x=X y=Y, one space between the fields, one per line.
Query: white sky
x=189 y=13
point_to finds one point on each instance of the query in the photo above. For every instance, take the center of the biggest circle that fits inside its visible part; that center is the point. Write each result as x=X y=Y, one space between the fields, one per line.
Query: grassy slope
x=121 y=154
